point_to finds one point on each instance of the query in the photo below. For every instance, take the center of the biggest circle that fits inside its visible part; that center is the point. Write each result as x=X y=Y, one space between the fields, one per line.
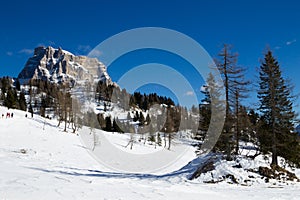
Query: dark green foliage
x=116 y=127
x=104 y=91
x=151 y=134
x=11 y=98
x=53 y=98
x=18 y=85
x=278 y=116
x=105 y=107
x=5 y=84
x=141 y=118
x=205 y=109
x=30 y=109
x=136 y=116
x=208 y=126
x=145 y=101
x=22 y=102
x=108 y=125
x=148 y=119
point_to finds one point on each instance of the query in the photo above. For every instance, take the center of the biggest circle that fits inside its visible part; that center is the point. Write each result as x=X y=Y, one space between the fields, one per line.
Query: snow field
x=40 y=161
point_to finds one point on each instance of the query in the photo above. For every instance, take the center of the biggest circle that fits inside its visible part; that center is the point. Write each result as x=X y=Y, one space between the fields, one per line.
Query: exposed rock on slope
x=60 y=66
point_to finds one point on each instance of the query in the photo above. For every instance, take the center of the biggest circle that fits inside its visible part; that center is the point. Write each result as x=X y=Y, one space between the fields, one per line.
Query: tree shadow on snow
x=185 y=171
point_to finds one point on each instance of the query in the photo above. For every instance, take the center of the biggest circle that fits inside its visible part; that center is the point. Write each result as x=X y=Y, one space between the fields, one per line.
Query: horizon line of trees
x=271 y=129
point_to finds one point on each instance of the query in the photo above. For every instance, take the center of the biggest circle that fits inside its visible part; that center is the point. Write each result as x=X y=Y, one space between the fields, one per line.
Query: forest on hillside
x=270 y=126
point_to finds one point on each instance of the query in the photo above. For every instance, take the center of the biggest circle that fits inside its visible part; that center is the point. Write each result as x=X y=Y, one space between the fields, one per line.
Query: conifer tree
x=141 y=119
x=116 y=127
x=22 y=102
x=152 y=134
x=158 y=139
x=18 y=85
x=11 y=98
x=148 y=119
x=212 y=102
x=276 y=107
x=108 y=126
x=205 y=108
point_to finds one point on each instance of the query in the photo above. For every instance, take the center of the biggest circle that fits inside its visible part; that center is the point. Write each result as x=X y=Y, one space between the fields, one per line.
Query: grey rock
x=60 y=66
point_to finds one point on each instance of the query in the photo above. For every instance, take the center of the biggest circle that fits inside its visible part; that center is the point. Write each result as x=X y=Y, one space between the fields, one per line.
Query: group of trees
x=111 y=93
x=46 y=97
x=49 y=99
x=271 y=128
x=12 y=97
x=164 y=125
x=145 y=101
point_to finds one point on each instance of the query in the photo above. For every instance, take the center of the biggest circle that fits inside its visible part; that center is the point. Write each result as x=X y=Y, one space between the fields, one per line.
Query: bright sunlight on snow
x=40 y=161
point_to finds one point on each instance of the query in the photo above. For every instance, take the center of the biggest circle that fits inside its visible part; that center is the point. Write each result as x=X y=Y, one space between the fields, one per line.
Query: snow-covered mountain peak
x=60 y=66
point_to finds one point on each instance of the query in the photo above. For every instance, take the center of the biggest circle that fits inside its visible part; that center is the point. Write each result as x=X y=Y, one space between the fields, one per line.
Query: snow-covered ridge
x=59 y=66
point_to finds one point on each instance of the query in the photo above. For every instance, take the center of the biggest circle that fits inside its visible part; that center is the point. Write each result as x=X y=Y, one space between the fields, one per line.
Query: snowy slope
x=39 y=161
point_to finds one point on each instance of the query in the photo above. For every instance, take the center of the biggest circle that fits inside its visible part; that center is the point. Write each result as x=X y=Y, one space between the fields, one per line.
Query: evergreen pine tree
x=151 y=134
x=22 y=102
x=108 y=126
x=141 y=118
x=30 y=110
x=136 y=116
x=18 y=85
x=116 y=127
x=205 y=108
x=11 y=98
x=278 y=116
x=148 y=119
x=212 y=103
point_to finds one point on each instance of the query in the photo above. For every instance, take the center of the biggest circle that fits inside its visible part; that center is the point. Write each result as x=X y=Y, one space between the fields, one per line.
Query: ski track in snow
x=57 y=166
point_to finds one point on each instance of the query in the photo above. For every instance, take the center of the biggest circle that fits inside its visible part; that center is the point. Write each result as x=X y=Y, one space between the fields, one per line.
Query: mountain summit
x=60 y=66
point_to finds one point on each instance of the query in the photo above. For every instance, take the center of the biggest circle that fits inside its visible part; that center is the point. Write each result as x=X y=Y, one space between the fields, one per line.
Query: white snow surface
x=40 y=161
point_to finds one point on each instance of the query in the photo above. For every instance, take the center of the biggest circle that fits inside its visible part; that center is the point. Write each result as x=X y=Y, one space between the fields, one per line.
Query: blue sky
x=78 y=26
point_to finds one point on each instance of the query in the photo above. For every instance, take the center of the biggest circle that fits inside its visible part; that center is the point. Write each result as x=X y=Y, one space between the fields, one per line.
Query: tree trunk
x=170 y=140
x=274 y=147
x=237 y=123
x=66 y=113
x=227 y=131
x=165 y=140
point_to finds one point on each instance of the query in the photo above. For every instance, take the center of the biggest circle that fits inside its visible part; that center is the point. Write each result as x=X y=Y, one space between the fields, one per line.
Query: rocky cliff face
x=60 y=66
